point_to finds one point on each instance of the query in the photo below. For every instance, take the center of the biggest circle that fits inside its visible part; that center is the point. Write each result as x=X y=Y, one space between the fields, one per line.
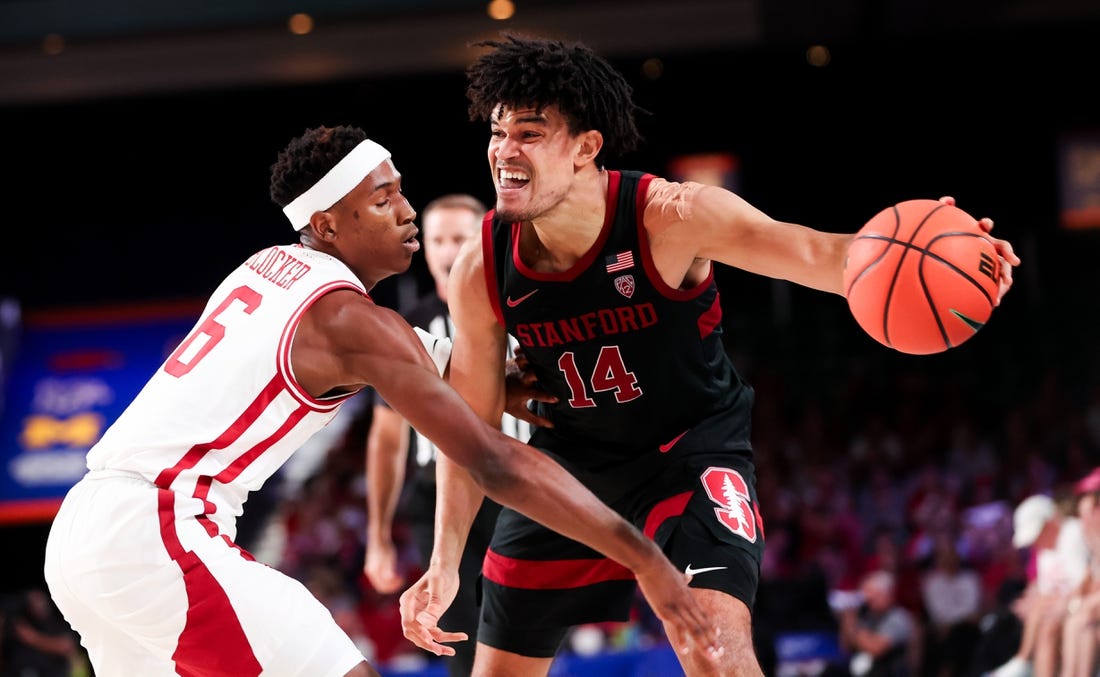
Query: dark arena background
x=137 y=144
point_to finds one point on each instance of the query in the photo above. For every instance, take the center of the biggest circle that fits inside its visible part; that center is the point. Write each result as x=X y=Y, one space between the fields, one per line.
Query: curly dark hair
x=522 y=71
x=309 y=157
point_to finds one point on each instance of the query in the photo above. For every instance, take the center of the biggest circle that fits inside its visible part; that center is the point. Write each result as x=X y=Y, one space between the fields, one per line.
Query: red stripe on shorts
x=673 y=506
x=212 y=641
x=558 y=574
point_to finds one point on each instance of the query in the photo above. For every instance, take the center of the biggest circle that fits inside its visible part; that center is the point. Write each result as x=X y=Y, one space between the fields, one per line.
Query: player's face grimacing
x=532 y=156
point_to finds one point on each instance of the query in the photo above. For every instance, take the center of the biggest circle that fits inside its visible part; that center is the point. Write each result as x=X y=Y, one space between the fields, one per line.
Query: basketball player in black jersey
x=606 y=278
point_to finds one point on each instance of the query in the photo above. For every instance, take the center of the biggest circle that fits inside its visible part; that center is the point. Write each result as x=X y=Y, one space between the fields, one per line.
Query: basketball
x=921 y=277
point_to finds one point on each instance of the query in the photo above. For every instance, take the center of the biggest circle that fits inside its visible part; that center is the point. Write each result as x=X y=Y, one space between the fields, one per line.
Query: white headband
x=336 y=183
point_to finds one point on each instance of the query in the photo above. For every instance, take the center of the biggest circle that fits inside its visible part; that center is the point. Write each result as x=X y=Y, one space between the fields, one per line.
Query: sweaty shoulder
x=669 y=203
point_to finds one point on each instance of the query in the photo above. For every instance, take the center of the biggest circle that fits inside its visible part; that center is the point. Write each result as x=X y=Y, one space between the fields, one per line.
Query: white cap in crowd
x=1029 y=518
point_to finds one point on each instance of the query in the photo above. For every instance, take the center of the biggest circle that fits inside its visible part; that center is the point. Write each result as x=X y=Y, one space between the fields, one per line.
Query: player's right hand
x=521 y=387
x=686 y=625
x=422 y=605
x=1008 y=257
x=381 y=567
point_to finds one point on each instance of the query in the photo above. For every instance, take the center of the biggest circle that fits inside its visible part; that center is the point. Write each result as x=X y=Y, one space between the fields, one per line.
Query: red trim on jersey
x=673 y=506
x=560 y=574
x=490 y=265
x=202 y=490
x=647 y=256
x=208 y=524
x=614 y=178
x=244 y=553
x=283 y=365
x=247 y=418
x=710 y=320
x=234 y=469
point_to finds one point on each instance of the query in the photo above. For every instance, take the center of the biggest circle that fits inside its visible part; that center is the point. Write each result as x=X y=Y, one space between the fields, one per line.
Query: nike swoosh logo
x=672 y=443
x=974 y=324
x=512 y=303
x=691 y=572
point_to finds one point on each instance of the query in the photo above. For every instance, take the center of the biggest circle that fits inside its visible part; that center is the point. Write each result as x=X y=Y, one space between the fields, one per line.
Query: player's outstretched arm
x=724 y=227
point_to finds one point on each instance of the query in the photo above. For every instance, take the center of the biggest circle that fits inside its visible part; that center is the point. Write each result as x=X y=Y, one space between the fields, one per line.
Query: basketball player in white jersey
x=445 y=224
x=141 y=558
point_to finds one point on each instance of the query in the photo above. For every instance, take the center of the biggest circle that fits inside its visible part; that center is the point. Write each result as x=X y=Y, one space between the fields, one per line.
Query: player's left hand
x=1008 y=258
x=521 y=387
x=687 y=626
x=422 y=605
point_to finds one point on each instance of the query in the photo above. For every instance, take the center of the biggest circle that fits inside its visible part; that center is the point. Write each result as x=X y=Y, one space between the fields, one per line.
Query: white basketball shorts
x=153 y=594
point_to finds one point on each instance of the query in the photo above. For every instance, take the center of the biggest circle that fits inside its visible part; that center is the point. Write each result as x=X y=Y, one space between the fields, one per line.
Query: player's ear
x=589 y=145
x=322 y=225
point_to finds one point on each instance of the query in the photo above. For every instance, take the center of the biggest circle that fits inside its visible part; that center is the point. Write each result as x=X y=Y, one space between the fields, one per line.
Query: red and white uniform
x=169 y=479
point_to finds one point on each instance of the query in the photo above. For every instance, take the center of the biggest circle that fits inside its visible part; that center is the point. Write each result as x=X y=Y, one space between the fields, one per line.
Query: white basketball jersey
x=224 y=411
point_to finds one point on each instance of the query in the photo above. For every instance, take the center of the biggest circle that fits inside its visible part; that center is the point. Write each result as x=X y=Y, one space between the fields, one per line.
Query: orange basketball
x=921 y=277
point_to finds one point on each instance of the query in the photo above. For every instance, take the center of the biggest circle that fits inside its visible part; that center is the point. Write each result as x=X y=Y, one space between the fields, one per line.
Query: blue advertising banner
x=73 y=374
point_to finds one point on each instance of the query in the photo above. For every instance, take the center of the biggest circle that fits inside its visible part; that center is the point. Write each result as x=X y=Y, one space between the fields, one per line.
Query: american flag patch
x=620 y=261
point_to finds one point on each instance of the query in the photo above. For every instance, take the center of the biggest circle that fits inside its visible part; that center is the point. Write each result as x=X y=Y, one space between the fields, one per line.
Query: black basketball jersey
x=634 y=362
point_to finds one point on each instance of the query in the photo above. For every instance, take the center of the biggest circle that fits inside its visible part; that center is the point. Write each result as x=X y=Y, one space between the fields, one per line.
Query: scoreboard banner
x=73 y=374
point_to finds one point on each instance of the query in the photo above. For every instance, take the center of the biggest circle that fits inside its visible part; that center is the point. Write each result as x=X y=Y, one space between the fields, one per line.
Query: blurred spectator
x=932 y=507
x=888 y=555
x=880 y=635
x=830 y=528
x=1004 y=566
x=1081 y=637
x=1002 y=629
x=952 y=595
x=881 y=504
x=1056 y=570
x=37 y=642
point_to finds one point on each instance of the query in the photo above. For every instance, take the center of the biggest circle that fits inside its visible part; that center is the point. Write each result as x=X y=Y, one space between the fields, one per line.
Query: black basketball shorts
x=702 y=511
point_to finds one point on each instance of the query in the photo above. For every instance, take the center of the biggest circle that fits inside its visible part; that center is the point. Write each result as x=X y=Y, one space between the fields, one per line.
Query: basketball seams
x=878 y=259
x=962 y=273
x=931 y=302
x=893 y=280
